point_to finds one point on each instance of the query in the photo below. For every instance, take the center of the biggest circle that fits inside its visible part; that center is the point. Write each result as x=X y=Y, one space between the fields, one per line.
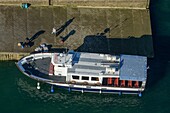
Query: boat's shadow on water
x=161 y=43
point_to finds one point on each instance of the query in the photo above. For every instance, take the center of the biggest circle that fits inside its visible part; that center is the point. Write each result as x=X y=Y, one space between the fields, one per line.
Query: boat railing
x=42 y=55
x=84 y=83
x=38 y=56
x=28 y=73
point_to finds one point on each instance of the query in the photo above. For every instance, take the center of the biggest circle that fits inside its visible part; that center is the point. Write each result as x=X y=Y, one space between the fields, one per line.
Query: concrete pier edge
x=79 y=6
x=12 y=55
x=127 y=4
x=90 y=7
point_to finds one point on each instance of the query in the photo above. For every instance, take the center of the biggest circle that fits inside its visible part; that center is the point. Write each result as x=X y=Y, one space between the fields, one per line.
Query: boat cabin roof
x=127 y=67
x=133 y=67
x=92 y=63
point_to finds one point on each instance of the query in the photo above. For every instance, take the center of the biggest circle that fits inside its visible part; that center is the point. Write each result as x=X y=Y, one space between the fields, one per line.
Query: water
x=18 y=93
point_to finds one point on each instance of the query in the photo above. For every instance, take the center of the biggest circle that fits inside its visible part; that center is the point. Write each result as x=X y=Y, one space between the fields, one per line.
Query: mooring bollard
x=52 y=89
x=38 y=85
x=25 y=5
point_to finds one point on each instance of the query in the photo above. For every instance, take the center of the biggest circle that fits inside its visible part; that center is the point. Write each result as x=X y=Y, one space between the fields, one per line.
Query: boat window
x=75 y=77
x=94 y=78
x=85 y=78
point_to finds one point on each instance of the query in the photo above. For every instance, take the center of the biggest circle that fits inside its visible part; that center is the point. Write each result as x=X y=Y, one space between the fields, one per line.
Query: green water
x=18 y=93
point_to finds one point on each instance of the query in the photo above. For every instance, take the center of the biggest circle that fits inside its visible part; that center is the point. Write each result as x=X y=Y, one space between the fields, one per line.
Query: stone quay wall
x=11 y=55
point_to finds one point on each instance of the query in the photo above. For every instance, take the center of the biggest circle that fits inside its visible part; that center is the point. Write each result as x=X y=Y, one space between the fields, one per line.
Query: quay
x=104 y=28
x=11 y=55
x=138 y=4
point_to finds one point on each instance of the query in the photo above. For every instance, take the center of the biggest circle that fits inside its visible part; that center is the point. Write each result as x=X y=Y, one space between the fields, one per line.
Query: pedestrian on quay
x=54 y=31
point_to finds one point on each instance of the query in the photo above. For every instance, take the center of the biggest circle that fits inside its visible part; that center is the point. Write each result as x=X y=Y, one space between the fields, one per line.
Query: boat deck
x=40 y=68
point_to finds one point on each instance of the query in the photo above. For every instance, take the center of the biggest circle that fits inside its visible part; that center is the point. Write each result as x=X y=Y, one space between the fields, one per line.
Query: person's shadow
x=63 y=27
x=36 y=35
x=63 y=39
x=29 y=42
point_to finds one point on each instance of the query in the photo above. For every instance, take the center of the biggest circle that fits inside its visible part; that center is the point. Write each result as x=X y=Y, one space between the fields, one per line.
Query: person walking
x=54 y=31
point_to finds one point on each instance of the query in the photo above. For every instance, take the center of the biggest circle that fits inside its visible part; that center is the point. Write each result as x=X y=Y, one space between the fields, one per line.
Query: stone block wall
x=11 y=55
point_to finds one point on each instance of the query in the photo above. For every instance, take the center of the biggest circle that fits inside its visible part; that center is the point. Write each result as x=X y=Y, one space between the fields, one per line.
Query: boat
x=88 y=72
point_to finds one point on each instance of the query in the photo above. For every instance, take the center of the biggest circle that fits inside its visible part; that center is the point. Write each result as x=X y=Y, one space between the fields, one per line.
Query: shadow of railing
x=58 y=50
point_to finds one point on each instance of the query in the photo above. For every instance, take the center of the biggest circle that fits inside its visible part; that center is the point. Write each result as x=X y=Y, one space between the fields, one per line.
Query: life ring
x=98 y=83
x=73 y=82
x=85 y=83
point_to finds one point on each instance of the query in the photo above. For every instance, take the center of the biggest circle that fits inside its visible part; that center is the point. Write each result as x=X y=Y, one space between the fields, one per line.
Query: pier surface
x=102 y=30
x=88 y=3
